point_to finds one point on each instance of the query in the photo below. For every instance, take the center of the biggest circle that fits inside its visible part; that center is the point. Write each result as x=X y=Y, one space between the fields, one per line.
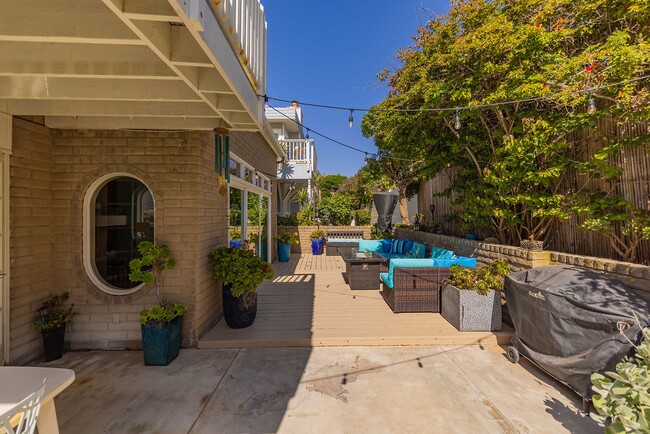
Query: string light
x=365 y=160
x=457 y=123
x=351 y=119
x=266 y=101
x=307 y=136
x=591 y=104
x=473 y=107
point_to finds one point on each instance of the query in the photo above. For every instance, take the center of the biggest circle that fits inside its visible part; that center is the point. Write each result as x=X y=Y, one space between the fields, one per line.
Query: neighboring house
x=107 y=112
x=297 y=170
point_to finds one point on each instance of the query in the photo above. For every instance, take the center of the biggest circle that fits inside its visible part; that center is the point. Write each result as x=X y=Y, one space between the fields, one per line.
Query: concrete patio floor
x=469 y=389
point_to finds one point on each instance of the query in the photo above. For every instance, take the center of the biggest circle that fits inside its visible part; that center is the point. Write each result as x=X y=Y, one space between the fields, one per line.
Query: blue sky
x=329 y=52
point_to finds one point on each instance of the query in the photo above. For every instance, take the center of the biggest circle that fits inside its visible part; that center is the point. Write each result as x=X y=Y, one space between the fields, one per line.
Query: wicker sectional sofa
x=414 y=285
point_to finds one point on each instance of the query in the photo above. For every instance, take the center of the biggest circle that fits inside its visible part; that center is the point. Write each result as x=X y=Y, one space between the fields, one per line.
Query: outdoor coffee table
x=363 y=268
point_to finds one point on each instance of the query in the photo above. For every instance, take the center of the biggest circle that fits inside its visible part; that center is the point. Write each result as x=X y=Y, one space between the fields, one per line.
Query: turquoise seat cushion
x=370 y=246
x=408 y=263
x=464 y=262
x=386 y=245
x=418 y=250
x=401 y=246
x=387 y=278
x=343 y=240
x=439 y=253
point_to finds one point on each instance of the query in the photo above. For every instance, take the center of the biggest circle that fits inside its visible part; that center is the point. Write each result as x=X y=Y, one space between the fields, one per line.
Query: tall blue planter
x=161 y=342
x=284 y=250
x=317 y=246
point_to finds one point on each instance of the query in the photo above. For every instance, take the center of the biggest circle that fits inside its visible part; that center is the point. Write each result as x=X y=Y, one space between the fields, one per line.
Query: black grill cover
x=566 y=319
x=385 y=204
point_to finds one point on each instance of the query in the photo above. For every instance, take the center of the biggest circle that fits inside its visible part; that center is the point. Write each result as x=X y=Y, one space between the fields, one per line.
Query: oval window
x=122 y=215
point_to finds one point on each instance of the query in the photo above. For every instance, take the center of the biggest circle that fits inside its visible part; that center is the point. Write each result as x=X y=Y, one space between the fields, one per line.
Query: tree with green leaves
x=330 y=184
x=515 y=160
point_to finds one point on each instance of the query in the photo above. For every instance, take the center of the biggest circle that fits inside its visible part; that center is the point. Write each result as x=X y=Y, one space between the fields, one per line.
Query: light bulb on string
x=266 y=101
x=351 y=119
x=591 y=104
x=307 y=136
x=457 y=123
x=365 y=161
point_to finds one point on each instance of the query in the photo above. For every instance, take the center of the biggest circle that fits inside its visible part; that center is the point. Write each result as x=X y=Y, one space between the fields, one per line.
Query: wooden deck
x=309 y=304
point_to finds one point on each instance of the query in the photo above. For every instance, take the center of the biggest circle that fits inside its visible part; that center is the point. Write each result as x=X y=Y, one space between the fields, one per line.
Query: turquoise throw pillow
x=386 y=245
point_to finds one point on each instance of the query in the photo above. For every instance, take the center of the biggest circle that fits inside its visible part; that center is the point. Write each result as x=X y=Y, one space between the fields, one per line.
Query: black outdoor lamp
x=432 y=207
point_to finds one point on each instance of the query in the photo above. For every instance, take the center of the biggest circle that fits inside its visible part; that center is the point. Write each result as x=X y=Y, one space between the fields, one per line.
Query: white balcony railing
x=244 y=23
x=301 y=162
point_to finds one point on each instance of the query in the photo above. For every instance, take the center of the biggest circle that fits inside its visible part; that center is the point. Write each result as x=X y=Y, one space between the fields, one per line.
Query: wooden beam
x=138 y=123
x=59 y=21
x=80 y=60
x=42 y=87
x=110 y=108
x=150 y=10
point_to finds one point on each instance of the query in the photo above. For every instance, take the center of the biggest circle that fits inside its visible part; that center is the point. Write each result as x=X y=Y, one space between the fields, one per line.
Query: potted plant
x=241 y=272
x=53 y=317
x=471 y=298
x=285 y=240
x=317 y=238
x=418 y=220
x=160 y=325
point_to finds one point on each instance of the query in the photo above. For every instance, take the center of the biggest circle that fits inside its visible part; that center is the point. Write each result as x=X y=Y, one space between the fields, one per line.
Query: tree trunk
x=403 y=207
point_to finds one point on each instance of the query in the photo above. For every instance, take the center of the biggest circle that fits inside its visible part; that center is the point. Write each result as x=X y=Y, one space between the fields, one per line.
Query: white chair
x=22 y=418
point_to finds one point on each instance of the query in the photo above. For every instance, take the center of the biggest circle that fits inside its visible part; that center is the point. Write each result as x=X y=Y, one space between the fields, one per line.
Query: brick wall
x=304 y=234
x=635 y=275
x=52 y=170
x=31 y=241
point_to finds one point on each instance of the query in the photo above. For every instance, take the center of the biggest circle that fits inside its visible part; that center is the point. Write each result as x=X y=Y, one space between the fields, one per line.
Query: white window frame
x=89 y=232
x=240 y=183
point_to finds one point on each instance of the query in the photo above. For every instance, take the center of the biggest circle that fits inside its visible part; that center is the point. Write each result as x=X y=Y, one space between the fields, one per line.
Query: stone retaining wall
x=304 y=233
x=635 y=275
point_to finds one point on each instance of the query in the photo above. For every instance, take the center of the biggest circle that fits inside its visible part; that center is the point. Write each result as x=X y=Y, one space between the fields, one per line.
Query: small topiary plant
x=622 y=398
x=147 y=268
x=483 y=280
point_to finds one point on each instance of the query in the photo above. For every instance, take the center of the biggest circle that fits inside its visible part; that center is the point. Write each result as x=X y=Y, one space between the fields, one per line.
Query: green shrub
x=376 y=235
x=318 y=233
x=240 y=269
x=362 y=217
x=483 y=280
x=287 y=237
x=337 y=209
x=623 y=397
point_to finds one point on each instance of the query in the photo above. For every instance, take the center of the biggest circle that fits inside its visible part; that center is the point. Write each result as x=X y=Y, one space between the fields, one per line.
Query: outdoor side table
x=362 y=269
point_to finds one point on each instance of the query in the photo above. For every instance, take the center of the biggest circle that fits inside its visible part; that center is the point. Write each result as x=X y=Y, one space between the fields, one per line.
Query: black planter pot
x=161 y=343
x=239 y=312
x=53 y=343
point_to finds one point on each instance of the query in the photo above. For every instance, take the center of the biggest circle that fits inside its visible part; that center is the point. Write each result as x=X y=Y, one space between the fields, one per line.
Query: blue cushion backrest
x=386 y=245
x=464 y=262
x=437 y=252
x=370 y=246
x=401 y=246
x=418 y=250
x=408 y=263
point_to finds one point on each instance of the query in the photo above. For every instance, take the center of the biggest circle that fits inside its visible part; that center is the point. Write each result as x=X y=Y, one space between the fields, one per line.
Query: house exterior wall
x=51 y=170
x=31 y=241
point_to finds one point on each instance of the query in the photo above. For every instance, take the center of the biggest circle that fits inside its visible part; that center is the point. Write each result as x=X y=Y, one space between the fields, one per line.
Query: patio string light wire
x=590 y=91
